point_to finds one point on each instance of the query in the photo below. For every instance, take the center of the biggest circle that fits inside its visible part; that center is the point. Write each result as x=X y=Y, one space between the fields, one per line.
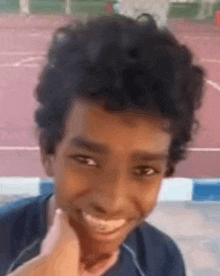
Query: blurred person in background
x=135 y=9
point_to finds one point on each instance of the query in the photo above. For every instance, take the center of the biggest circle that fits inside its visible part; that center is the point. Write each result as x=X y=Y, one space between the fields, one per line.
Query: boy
x=117 y=110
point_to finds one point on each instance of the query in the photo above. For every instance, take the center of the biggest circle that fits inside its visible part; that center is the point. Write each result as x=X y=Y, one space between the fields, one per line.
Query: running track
x=22 y=51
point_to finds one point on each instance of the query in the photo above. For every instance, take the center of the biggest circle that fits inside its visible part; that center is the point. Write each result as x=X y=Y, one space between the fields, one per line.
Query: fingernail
x=61 y=214
x=59 y=211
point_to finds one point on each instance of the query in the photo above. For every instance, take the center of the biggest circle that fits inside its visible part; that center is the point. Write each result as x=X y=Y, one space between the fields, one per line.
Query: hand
x=60 y=252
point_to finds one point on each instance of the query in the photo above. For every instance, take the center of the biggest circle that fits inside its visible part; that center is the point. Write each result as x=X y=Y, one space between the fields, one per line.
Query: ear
x=48 y=163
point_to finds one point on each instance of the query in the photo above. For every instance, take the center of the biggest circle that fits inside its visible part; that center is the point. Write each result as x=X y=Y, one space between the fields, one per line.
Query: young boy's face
x=109 y=166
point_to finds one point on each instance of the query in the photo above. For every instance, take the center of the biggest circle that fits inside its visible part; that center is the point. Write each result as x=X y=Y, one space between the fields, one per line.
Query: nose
x=110 y=196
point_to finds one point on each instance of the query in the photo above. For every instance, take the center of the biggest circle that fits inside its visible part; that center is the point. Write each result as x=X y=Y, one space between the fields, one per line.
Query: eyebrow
x=140 y=155
x=83 y=143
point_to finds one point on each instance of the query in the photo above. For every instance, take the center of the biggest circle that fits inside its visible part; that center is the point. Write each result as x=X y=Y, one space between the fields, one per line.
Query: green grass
x=180 y=10
x=79 y=7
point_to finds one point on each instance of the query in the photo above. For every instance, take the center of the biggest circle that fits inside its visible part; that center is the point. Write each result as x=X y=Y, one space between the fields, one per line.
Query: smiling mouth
x=107 y=236
x=103 y=226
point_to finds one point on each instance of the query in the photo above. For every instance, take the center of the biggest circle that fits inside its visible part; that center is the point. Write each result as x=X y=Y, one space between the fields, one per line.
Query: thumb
x=61 y=247
x=59 y=254
x=61 y=235
x=67 y=233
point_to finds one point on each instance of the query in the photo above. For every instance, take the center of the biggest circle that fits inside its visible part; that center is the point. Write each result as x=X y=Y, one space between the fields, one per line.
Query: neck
x=91 y=261
x=99 y=265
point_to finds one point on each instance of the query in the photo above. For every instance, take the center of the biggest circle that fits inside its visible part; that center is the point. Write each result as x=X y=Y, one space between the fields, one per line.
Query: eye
x=84 y=160
x=145 y=171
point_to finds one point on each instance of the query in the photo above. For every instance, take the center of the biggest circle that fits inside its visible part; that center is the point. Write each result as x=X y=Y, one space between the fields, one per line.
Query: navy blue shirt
x=146 y=252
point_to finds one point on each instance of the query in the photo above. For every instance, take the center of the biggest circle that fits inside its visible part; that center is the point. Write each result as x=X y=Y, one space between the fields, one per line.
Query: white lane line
x=19 y=148
x=26 y=60
x=16 y=66
x=21 y=53
x=199 y=37
x=204 y=149
x=37 y=148
x=214 y=84
x=211 y=60
x=38 y=35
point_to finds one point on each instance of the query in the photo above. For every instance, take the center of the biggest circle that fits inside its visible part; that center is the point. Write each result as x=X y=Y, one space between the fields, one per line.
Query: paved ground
x=196 y=229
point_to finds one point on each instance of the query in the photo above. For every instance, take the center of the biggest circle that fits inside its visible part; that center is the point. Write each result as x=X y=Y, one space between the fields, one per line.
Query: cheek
x=153 y=193
x=149 y=205
x=150 y=196
x=70 y=183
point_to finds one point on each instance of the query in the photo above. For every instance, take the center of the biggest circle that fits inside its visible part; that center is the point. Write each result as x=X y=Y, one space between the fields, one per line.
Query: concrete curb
x=173 y=189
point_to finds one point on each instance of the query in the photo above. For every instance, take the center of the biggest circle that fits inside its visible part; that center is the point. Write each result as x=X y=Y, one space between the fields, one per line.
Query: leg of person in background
x=24 y=7
x=210 y=9
x=202 y=14
x=159 y=9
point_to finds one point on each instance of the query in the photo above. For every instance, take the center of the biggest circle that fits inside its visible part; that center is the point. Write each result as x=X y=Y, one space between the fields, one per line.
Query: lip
x=107 y=236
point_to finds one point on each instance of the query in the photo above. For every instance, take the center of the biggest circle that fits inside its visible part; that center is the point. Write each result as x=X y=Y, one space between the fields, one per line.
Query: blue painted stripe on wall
x=47 y=186
x=206 y=190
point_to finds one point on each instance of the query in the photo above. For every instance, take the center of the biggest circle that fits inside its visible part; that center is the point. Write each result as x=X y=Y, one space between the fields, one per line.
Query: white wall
x=173 y=189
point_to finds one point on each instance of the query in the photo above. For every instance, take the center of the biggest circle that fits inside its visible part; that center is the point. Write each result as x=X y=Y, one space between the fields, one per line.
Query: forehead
x=122 y=129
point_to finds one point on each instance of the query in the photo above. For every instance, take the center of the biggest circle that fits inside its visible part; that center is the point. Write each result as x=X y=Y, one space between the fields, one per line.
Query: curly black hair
x=126 y=64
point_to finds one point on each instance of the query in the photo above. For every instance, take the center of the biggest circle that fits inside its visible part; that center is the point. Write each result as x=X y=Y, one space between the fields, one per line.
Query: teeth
x=104 y=226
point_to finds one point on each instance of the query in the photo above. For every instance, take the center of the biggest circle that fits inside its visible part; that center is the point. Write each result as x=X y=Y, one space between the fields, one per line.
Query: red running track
x=24 y=42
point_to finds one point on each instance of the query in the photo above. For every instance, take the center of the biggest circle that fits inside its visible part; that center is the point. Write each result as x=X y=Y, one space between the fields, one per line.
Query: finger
x=59 y=235
x=51 y=239
x=63 y=245
x=62 y=216
x=63 y=225
x=66 y=233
